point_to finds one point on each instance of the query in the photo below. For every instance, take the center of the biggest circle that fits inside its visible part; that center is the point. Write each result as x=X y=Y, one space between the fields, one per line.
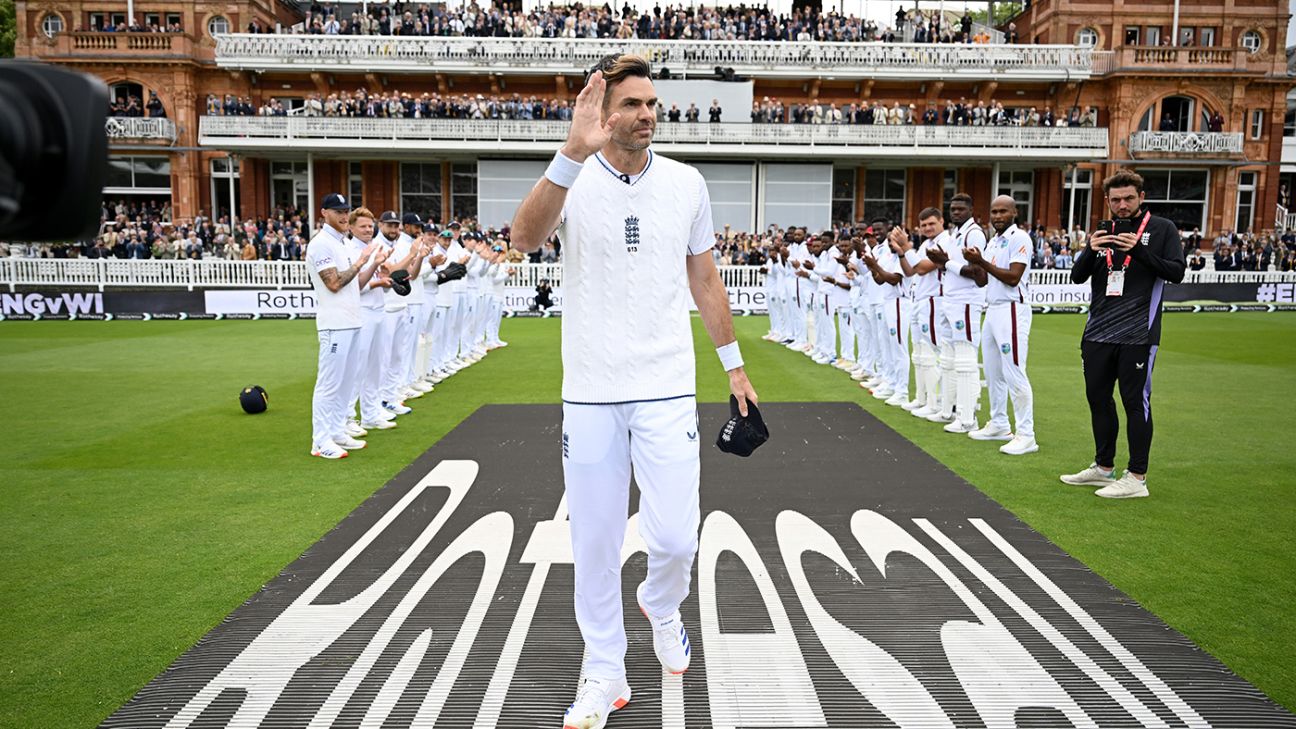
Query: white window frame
x=1180 y=170
x=1008 y=186
x=1087 y=37
x=1256 y=128
x=49 y=22
x=220 y=175
x=355 y=184
x=213 y=21
x=1248 y=189
x=298 y=179
x=853 y=180
x=903 y=199
x=1251 y=40
x=1084 y=183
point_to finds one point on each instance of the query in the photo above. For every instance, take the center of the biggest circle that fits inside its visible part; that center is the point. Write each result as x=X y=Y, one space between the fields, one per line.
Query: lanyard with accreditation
x=1116 y=278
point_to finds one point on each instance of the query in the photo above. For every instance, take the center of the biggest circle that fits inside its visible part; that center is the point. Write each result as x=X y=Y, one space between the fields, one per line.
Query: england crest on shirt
x=632 y=234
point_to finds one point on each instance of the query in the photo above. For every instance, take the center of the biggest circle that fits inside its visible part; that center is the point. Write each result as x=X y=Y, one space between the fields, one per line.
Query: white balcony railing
x=1186 y=142
x=58 y=273
x=130 y=127
x=306 y=133
x=434 y=54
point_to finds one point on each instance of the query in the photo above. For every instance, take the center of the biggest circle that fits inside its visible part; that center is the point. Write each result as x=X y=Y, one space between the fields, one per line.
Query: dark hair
x=1123 y=178
x=931 y=213
x=962 y=197
x=618 y=67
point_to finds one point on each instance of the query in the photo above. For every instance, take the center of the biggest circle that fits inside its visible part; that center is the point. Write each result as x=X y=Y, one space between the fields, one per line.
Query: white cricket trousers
x=600 y=444
x=370 y=323
x=333 y=384
x=373 y=370
x=463 y=322
x=1004 y=345
x=493 y=323
x=896 y=315
x=418 y=321
x=926 y=345
x=846 y=327
x=393 y=383
x=825 y=330
x=440 y=356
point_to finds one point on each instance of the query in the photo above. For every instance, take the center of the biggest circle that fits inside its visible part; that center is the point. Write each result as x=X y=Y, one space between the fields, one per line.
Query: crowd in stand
x=144 y=230
x=955 y=113
x=398 y=105
x=131 y=105
x=669 y=23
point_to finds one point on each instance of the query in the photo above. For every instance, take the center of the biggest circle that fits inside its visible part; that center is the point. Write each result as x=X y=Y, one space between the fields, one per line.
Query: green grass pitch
x=141 y=505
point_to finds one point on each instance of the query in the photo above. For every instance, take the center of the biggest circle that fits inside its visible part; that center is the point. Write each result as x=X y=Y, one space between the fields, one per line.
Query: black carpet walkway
x=844 y=579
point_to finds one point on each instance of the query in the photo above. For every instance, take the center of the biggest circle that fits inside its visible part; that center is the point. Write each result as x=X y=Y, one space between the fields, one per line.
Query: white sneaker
x=872 y=382
x=595 y=700
x=819 y=359
x=844 y=364
x=437 y=377
x=793 y=346
x=958 y=426
x=1020 y=445
x=501 y=343
x=807 y=347
x=897 y=400
x=670 y=639
x=380 y=425
x=350 y=443
x=355 y=430
x=858 y=374
x=883 y=392
x=479 y=350
x=386 y=416
x=1125 y=487
x=924 y=412
x=913 y=405
x=939 y=417
x=1091 y=476
x=991 y=432
x=330 y=450
x=396 y=408
x=410 y=393
x=421 y=385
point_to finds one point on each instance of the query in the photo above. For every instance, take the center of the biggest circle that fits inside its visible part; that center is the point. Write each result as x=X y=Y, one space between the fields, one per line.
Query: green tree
x=8 y=28
x=1003 y=12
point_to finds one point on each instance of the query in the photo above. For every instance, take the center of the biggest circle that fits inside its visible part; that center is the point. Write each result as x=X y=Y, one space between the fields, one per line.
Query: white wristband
x=911 y=256
x=953 y=268
x=730 y=357
x=563 y=170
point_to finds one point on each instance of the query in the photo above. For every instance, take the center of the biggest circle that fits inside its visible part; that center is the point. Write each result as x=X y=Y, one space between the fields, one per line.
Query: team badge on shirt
x=958 y=325
x=632 y=234
x=924 y=328
x=1005 y=348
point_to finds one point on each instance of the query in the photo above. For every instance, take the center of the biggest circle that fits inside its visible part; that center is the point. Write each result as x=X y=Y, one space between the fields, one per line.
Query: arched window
x=1176 y=114
x=217 y=24
x=1251 y=40
x=52 y=24
x=1087 y=37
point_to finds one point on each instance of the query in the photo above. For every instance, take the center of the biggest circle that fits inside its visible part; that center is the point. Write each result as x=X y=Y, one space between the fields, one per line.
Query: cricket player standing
x=635 y=227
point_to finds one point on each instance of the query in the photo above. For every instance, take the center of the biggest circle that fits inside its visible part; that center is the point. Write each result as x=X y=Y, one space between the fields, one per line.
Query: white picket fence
x=221 y=274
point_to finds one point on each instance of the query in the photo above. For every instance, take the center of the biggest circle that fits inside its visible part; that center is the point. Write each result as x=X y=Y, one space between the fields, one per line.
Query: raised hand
x=973 y=256
x=589 y=133
x=937 y=256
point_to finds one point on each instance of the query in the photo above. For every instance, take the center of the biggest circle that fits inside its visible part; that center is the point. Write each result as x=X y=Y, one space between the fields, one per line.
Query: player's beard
x=631 y=141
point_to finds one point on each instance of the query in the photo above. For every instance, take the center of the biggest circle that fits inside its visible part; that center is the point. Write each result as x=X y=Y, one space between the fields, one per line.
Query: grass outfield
x=142 y=506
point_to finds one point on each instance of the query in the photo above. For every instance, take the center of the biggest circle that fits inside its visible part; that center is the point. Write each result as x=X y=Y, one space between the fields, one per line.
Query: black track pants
x=1131 y=366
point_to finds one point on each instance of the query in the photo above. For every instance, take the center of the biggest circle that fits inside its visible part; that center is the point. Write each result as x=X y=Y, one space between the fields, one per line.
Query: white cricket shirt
x=1013 y=246
x=339 y=310
x=626 y=335
x=961 y=289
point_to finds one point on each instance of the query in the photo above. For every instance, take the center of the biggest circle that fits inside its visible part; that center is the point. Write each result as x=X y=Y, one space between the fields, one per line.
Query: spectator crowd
x=144 y=230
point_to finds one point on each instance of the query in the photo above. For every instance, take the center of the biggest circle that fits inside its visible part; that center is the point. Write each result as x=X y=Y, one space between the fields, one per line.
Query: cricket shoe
x=670 y=639
x=990 y=431
x=1020 y=445
x=595 y=700
x=330 y=450
x=349 y=443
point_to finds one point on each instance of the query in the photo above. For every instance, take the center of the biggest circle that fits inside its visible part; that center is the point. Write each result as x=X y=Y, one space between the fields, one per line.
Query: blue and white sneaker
x=670 y=639
x=595 y=700
x=396 y=408
x=330 y=450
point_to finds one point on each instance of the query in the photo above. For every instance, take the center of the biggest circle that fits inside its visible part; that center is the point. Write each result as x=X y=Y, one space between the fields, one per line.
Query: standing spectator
x=714 y=112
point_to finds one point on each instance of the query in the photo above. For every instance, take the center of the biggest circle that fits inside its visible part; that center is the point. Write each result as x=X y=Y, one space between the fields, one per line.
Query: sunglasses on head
x=604 y=64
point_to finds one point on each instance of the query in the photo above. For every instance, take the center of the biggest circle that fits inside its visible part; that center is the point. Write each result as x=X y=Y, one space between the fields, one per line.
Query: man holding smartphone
x=1127 y=262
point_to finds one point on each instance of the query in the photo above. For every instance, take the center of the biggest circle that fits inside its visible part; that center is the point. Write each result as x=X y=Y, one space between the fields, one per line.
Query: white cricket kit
x=418 y=318
x=1006 y=337
x=629 y=387
x=802 y=291
x=337 y=321
x=445 y=340
x=825 y=332
x=960 y=322
x=364 y=389
x=924 y=326
x=402 y=322
x=896 y=313
x=499 y=283
x=423 y=362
